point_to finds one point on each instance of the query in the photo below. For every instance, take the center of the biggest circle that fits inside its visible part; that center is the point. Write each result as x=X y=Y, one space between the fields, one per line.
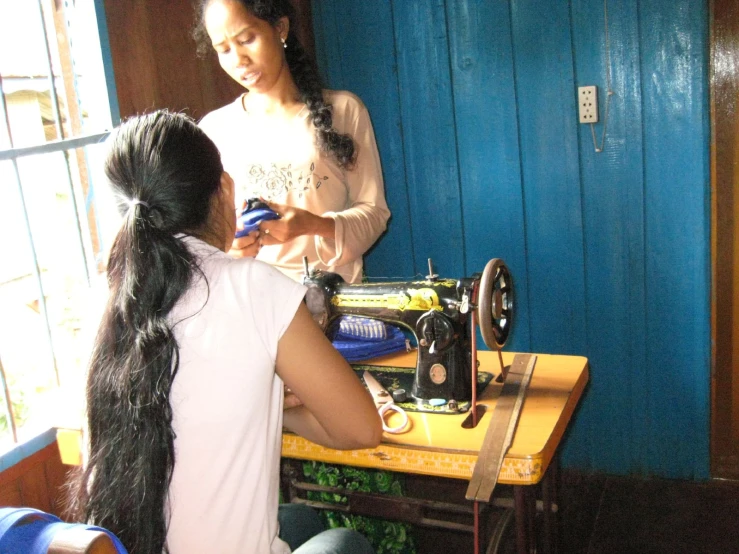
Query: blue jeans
x=303 y=530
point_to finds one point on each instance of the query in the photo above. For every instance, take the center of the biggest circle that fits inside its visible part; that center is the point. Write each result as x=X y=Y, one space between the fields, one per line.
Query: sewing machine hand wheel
x=495 y=304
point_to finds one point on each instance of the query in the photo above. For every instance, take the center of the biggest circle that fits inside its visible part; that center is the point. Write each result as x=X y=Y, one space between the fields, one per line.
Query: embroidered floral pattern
x=273 y=183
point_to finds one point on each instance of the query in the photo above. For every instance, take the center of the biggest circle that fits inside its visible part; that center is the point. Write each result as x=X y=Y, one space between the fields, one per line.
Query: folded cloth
x=357 y=350
x=355 y=327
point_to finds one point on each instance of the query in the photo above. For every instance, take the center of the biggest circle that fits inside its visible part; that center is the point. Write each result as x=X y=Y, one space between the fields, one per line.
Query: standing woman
x=309 y=152
x=185 y=385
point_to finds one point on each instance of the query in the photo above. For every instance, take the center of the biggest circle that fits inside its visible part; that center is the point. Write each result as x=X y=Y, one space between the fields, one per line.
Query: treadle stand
x=496 y=517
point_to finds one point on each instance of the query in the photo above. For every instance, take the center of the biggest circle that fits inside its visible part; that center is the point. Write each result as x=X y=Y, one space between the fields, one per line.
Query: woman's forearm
x=299 y=420
x=324 y=227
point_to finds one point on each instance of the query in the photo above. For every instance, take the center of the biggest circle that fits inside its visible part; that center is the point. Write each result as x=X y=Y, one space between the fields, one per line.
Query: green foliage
x=20 y=412
x=386 y=537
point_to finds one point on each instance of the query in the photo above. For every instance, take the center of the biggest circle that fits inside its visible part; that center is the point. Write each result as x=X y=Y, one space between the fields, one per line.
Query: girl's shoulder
x=341 y=99
x=347 y=106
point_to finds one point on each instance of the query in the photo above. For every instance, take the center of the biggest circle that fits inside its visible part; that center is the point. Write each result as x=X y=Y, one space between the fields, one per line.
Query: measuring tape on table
x=404 y=459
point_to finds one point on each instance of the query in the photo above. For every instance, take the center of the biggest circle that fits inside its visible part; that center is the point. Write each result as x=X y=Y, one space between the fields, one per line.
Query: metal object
x=497 y=517
x=385 y=404
x=496 y=304
x=441 y=313
x=399 y=395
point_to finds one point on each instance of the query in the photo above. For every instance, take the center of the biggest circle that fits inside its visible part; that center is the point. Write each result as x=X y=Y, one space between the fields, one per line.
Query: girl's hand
x=293 y=222
x=246 y=246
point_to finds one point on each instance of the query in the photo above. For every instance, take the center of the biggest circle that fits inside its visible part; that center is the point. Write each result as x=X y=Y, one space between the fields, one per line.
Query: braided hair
x=166 y=173
x=303 y=71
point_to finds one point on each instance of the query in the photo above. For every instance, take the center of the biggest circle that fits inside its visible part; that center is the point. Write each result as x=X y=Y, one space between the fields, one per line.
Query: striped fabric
x=363 y=328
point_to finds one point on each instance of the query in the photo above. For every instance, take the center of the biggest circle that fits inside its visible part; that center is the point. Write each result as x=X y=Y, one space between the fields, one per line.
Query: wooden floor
x=602 y=514
x=648 y=516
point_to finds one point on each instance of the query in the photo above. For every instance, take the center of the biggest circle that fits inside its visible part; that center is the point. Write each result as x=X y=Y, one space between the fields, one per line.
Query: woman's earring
x=284 y=44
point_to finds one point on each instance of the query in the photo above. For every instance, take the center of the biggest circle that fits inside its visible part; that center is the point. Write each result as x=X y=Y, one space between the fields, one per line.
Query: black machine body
x=437 y=311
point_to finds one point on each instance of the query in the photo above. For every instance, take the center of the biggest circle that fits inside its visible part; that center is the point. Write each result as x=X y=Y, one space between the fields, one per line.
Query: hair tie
x=133 y=202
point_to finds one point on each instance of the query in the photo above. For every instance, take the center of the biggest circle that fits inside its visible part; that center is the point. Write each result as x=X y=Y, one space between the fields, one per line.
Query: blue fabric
x=357 y=350
x=31 y=531
x=303 y=530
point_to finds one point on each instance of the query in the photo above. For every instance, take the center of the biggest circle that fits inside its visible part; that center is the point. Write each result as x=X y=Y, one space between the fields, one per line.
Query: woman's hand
x=246 y=246
x=294 y=222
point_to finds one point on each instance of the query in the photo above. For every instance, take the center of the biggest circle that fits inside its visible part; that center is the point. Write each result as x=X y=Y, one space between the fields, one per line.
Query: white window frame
x=64 y=145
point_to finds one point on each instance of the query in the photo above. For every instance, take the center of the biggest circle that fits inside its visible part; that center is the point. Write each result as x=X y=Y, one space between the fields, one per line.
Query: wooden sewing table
x=437 y=445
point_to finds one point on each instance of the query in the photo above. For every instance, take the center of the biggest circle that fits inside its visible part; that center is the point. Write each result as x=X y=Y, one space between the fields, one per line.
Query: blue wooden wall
x=474 y=104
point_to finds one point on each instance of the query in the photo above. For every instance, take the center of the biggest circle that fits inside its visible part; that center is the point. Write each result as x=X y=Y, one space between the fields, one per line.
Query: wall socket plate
x=587 y=103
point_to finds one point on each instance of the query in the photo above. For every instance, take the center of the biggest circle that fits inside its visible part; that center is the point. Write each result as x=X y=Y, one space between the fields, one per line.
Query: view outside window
x=55 y=219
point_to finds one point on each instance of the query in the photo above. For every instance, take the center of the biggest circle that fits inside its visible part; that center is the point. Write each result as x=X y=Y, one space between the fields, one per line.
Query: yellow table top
x=438 y=445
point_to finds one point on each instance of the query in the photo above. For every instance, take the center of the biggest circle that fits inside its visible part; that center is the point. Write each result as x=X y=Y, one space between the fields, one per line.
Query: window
x=55 y=219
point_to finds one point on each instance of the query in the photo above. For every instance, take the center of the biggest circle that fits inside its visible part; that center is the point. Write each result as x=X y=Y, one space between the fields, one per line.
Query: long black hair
x=340 y=146
x=165 y=172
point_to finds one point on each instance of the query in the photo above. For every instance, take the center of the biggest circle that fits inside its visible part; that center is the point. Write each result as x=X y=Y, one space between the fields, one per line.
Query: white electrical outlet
x=587 y=102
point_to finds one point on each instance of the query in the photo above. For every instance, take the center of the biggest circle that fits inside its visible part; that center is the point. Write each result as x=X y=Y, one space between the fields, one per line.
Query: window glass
x=72 y=99
x=56 y=217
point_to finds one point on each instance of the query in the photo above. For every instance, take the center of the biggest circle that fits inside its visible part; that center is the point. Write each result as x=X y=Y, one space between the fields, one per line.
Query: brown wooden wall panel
x=10 y=494
x=725 y=226
x=155 y=63
x=304 y=16
x=57 y=474
x=154 y=60
x=34 y=489
x=36 y=482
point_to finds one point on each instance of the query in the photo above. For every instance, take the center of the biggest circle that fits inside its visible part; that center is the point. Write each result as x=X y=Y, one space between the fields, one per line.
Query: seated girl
x=185 y=391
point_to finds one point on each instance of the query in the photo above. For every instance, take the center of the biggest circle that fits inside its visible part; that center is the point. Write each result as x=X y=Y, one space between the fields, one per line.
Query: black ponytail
x=165 y=172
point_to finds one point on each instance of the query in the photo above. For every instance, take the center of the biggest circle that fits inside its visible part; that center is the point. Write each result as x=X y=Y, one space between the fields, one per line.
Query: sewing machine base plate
x=393 y=378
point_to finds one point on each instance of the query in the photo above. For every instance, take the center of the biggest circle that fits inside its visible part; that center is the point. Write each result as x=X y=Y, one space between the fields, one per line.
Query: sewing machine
x=441 y=313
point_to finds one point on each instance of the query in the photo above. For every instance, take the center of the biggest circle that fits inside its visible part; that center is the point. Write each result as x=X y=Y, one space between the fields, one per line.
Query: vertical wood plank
x=549 y=159
x=613 y=209
x=154 y=60
x=378 y=89
x=487 y=138
x=304 y=26
x=10 y=494
x=725 y=180
x=132 y=56
x=56 y=478
x=673 y=69
x=33 y=488
x=327 y=36
x=429 y=141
